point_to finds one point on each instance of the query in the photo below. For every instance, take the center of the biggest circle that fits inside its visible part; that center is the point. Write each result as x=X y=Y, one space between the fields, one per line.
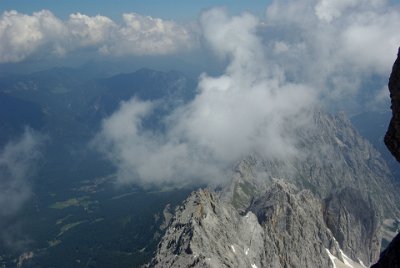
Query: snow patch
x=333 y=258
x=233 y=249
x=246 y=251
x=346 y=263
x=361 y=263
x=254 y=266
x=346 y=259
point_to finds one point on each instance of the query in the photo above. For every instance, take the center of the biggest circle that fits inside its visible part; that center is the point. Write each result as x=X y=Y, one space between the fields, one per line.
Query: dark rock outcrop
x=392 y=137
x=391 y=256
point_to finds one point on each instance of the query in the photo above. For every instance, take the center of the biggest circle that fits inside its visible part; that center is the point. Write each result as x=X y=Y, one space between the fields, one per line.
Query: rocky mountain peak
x=309 y=211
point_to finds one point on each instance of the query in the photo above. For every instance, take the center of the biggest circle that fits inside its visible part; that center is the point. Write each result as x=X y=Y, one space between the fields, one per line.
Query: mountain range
x=324 y=209
x=333 y=205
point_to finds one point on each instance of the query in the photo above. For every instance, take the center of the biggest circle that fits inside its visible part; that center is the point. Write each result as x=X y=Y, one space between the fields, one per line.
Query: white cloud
x=329 y=10
x=334 y=45
x=24 y=35
x=145 y=35
x=90 y=31
x=18 y=160
x=277 y=69
x=248 y=109
x=17 y=164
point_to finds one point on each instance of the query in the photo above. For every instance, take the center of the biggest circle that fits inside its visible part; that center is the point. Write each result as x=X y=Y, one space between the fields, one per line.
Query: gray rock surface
x=333 y=196
x=283 y=228
x=354 y=224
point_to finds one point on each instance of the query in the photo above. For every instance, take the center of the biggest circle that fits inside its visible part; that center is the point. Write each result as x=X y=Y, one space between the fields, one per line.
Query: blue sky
x=181 y=10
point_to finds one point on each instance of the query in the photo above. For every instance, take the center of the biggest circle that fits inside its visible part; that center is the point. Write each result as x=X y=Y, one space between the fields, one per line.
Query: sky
x=280 y=59
x=53 y=30
x=181 y=10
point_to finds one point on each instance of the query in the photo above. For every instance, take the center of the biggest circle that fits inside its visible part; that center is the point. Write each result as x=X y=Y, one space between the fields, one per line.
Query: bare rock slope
x=320 y=209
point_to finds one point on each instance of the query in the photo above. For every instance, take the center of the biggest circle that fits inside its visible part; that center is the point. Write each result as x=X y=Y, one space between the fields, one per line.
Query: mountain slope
x=305 y=212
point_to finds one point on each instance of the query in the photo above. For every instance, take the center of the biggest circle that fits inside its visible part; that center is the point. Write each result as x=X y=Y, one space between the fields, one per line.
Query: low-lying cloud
x=18 y=160
x=23 y=36
x=305 y=53
x=251 y=108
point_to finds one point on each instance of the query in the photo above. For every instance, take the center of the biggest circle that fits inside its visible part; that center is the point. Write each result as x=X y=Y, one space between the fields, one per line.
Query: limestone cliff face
x=283 y=228
x=354 y=224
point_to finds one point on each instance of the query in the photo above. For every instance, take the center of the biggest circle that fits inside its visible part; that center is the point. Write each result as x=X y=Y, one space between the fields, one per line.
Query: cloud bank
x=251 y=108
x=278 y=69
x=23 y=36
x=333 y=45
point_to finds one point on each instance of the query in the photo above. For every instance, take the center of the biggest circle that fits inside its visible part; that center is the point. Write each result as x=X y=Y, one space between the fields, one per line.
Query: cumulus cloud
x=90 y=31
x=17 y=164
x=251 y=108
x=278 y=69
x=25 y=35
x=22 y=35
x=332 y=45
x=329 y=10
x=145 y=35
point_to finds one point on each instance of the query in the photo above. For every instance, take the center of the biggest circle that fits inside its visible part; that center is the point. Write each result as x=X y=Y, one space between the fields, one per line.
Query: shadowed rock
x=392 y=137
x=391 y=256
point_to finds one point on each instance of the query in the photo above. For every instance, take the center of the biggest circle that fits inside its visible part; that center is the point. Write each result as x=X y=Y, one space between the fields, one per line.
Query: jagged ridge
x=349 y=191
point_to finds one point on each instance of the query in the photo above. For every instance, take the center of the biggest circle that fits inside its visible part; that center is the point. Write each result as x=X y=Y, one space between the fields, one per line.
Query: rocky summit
x=323 y=208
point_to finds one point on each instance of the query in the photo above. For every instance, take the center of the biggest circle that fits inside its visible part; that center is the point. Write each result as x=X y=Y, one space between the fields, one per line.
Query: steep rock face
x=354 y=224
x=345 y=191
x=283 y=228
x=392 y=137
x=332 y=156
x=391 y=256
x=207 y=233
x=295 y=234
